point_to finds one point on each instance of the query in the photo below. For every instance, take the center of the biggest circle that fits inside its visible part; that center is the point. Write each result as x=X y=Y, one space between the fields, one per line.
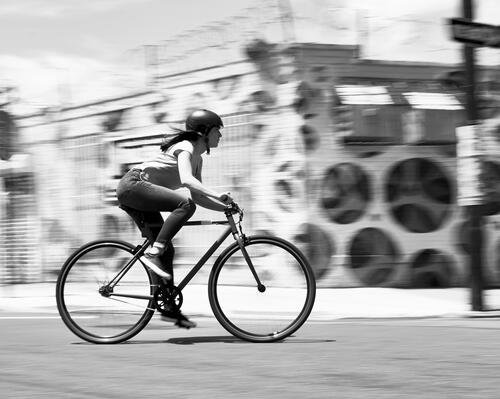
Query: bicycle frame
x=207 y=254
x=138 y=298
x=139 y=250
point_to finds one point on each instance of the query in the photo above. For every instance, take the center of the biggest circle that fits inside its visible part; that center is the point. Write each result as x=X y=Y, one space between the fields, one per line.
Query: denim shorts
x=134 y=190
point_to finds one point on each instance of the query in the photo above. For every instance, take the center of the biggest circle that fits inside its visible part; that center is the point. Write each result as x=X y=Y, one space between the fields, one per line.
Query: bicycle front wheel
x=92 y=311
x=283 y=302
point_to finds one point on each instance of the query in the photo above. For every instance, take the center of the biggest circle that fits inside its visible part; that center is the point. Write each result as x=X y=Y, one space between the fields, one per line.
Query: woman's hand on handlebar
x=226 y=198
x=233 y=208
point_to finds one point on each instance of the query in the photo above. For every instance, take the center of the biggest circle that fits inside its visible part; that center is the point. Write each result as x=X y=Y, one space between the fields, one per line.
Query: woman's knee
x=188 y=206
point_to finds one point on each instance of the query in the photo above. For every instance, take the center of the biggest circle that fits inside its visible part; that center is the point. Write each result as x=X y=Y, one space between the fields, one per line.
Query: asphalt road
x=397 y=358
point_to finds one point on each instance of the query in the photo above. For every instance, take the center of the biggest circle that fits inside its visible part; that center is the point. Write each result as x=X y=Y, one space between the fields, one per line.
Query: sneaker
x=154 y=263
x=178 y=319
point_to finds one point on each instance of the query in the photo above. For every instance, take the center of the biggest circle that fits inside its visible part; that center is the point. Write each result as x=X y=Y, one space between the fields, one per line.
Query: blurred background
x=339 y=133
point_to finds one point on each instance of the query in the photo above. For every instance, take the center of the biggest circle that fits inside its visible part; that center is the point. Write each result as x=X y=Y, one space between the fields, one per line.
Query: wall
x=382 y=214
x=382 y=204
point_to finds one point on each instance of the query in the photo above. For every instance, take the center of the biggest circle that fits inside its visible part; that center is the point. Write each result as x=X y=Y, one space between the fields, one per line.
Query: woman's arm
x=212 y=199
x=208 y=203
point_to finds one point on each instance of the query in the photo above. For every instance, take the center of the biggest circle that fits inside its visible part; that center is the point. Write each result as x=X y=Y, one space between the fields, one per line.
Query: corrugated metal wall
x=19 y=231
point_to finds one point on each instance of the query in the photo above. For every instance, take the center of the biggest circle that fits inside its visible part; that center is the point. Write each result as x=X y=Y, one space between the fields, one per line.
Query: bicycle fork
x=241 y=239
x=241 y=243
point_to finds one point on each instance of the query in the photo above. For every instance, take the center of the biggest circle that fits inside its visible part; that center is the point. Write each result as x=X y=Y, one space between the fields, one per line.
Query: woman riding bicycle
x=150 y=188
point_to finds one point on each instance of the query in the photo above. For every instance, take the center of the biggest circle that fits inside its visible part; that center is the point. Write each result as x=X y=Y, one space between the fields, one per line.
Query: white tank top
x=163 y=169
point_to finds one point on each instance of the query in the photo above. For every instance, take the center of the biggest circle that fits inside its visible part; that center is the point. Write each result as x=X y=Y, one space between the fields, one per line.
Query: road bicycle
x=261 y=288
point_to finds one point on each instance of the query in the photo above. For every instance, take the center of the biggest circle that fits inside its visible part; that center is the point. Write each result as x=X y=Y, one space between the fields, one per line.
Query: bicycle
x=261 y=288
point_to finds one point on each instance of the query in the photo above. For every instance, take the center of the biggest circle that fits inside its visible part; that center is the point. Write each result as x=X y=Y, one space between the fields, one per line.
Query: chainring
x=168 y=299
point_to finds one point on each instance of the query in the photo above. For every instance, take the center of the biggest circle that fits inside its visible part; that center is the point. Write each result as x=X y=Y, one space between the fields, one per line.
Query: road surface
x=396 y=358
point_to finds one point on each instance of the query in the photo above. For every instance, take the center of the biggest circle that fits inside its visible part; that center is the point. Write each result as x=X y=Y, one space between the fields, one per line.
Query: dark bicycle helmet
x=202 y=120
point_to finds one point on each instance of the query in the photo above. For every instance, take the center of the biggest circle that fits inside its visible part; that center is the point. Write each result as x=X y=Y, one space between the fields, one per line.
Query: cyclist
x=150 y=188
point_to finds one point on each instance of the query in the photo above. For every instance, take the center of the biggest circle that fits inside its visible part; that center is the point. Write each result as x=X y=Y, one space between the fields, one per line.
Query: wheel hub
x=106 y=291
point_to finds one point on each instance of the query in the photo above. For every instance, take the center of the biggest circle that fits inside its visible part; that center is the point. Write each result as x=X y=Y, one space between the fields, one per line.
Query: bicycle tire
x=266 y=316
x=87 y=313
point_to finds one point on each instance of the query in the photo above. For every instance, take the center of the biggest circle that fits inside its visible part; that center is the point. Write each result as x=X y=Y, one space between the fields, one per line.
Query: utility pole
x=151 y=65
x=286 y=19
x=474 y=212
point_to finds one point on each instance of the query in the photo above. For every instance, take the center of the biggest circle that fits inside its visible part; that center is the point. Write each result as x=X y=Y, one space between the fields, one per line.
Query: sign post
x=469 y=148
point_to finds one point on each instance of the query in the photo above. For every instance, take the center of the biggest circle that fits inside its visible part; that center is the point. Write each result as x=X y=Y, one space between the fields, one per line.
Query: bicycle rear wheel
x=85 y=306
x=262 y=315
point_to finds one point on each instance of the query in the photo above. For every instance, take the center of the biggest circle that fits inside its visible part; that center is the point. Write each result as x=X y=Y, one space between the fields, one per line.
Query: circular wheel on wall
x=318 y=247
x=310 y=137
x=496 y=267
x=431 y=268
x=419 y=195
x=288 y=191
x=374 y=257
x=345 y=193
x=491 y=180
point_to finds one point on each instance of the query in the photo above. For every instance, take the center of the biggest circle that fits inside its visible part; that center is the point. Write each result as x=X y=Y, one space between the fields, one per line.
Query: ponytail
x=181 y=135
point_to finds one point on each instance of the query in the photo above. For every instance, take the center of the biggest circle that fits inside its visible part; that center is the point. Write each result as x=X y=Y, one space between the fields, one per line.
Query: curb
x=331 y=304
x=485 y=314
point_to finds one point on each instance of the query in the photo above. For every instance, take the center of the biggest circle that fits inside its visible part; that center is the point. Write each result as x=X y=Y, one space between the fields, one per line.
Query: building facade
x=352 y=160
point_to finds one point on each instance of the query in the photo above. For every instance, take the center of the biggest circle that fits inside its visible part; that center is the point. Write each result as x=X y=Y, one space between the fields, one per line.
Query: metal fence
x=68 y=198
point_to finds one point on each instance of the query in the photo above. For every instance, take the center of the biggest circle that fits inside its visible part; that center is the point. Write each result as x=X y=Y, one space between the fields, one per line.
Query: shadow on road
x=178 y=341
x=227 y=339
x=232 y=340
